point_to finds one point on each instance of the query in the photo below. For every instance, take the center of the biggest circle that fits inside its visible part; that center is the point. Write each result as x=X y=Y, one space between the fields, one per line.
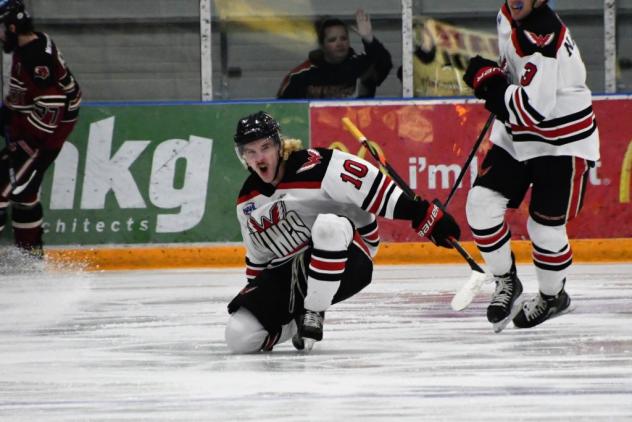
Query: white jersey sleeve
x=352 y=180
x=257 y=259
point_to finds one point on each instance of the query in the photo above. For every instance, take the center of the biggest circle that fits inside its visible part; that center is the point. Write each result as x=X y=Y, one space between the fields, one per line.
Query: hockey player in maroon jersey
x=546 y=137
x=37 y=116
x=308 y=221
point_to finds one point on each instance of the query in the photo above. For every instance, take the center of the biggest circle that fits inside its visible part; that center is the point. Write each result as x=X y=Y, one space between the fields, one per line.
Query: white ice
x=132 y=346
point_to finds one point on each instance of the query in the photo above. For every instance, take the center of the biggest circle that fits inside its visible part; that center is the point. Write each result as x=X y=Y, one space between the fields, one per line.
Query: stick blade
x=465 y=295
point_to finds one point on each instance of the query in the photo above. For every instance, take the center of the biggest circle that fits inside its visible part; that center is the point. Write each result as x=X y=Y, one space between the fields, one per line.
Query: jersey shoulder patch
x=308 y=164
x=38 y=60
x=544 y=34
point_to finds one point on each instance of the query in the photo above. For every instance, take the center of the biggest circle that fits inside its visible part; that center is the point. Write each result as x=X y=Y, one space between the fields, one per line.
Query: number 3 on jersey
x=357 y=171
x=529 y=73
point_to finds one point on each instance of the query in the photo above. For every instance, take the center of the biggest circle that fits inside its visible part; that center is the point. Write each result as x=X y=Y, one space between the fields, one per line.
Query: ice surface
x=138 y=346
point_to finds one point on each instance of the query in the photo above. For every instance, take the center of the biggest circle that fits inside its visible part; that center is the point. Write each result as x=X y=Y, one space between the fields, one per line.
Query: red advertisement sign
x=427 y=143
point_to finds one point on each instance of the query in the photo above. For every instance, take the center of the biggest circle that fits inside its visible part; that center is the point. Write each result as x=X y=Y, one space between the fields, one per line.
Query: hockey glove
x=436 y=224
x=489 y=83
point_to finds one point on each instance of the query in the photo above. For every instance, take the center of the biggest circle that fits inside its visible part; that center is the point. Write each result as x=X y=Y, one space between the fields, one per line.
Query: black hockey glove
x=434 y=222
x=489 y=83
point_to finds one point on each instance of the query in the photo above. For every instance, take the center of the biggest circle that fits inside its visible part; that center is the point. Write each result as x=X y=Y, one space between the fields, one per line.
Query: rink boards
x=154 y=185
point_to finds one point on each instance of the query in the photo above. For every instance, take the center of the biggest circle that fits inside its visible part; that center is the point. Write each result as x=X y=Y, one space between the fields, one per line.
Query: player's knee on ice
x=331 y=233
x=244 y=333
x=485 y=208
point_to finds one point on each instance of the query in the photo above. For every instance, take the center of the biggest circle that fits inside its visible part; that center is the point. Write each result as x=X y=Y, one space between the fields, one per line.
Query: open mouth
x=263 y=168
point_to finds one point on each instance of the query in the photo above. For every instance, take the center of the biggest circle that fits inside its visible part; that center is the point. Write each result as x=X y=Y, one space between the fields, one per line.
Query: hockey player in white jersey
x=308 y=221
x=546 y=137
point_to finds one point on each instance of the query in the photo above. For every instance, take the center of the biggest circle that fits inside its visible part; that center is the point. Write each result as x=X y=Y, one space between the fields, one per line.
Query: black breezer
x=275 y=300
x=557 y=183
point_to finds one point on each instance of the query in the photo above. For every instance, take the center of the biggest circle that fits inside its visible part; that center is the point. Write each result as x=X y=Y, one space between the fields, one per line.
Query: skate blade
x=501 y=325
x=568 y=310
x=309 y=344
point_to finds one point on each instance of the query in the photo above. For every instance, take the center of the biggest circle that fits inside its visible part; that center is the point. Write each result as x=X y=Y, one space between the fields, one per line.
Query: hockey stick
x=478 y=276
x=477 y=144
x=464 y=296
x=12 y=179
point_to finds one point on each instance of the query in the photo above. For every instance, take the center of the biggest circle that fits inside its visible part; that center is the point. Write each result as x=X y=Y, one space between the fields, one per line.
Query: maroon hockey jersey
x=44 y=96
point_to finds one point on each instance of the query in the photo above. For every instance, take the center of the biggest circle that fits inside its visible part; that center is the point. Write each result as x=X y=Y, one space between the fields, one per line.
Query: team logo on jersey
x=314 y=158
x=277 y=212
x=41 y=72
x=282 y=232
x=249 y=208
x=539 y=40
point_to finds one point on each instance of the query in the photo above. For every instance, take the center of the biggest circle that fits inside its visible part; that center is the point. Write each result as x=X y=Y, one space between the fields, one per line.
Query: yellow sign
x=442 y=52
x=270 y=18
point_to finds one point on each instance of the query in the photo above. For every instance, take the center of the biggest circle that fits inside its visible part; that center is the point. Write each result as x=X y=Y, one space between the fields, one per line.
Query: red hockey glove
x=435 y=223
x=489 y=84
x=480 y=71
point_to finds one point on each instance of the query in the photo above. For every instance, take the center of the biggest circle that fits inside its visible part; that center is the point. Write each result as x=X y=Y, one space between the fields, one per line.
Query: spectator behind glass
x=334 y=70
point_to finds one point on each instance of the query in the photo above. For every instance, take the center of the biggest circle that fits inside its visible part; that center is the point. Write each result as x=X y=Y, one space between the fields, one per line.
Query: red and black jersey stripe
x=379 y=195
x=559 y=131
x=370 y=234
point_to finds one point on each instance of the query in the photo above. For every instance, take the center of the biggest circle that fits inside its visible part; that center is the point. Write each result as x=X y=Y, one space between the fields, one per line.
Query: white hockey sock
x=324 y=275
x=551 y=254
x=485 y=211
x=331 y=236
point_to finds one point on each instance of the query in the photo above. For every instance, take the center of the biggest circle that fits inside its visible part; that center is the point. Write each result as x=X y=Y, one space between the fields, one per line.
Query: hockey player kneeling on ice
x=545 y=137
x=308 y=221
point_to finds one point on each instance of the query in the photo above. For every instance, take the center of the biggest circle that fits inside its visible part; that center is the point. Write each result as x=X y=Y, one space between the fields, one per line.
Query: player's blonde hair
x=291 y=145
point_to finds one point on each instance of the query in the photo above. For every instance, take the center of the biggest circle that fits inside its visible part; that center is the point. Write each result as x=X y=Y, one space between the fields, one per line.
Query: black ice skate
x=541 y=308
x=310 y=330
x=505 y=300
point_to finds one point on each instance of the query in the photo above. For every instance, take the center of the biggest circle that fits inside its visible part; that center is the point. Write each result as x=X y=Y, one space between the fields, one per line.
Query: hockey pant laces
x=298 y=270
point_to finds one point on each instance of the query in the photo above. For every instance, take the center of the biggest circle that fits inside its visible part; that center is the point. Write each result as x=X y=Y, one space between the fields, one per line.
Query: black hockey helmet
x=259 y=125
x=255 y=126
x=13 y=12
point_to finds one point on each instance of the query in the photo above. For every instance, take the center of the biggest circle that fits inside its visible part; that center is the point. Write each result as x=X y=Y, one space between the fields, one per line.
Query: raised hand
x=363 y=25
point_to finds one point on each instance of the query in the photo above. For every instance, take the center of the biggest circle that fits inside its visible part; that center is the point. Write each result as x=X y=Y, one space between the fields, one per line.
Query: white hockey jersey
x=276 y=222
x=548 y=102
